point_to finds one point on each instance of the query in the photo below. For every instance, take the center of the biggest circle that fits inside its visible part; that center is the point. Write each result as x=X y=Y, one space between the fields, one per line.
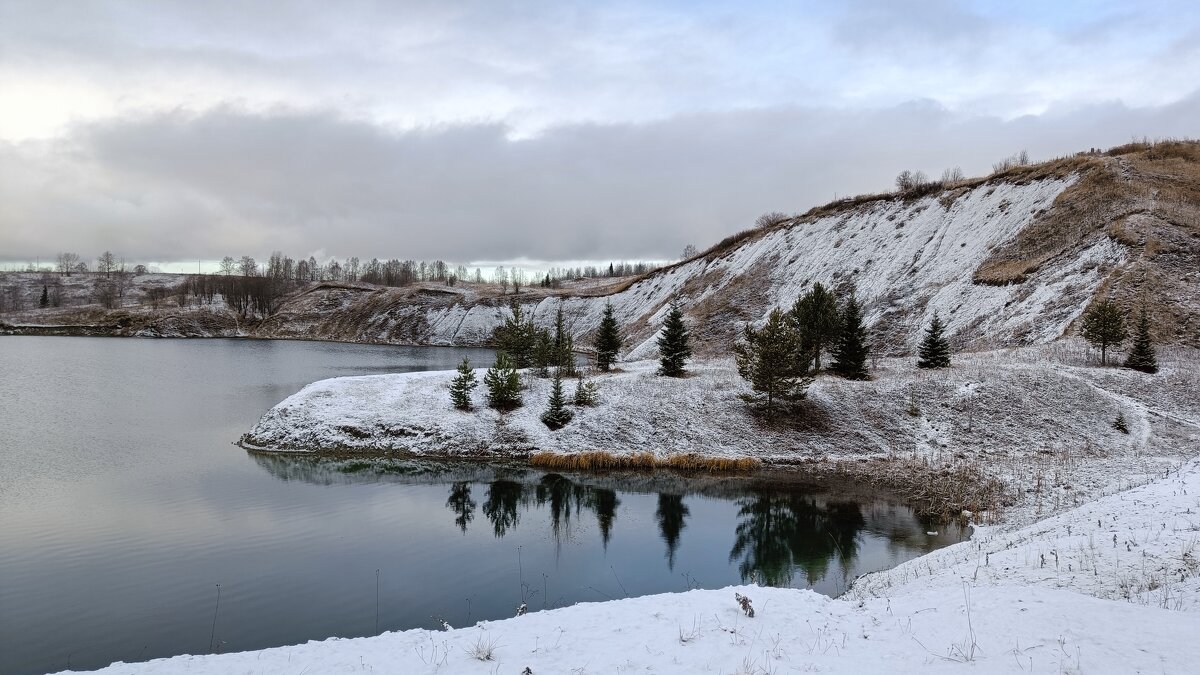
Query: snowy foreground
x=988 y=605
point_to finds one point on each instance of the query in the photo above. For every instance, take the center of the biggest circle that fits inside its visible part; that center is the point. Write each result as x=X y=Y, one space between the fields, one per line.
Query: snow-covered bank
x=984 y=606
x=1039 y=419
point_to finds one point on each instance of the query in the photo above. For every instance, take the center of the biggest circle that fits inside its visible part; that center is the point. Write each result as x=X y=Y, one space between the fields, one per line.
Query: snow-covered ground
x=989 y=605
x=1039 y=419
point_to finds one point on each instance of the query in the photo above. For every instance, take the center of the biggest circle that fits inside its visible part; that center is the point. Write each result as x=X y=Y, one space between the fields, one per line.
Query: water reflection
x=782 y=534
x=672 y=516
x=779 y=533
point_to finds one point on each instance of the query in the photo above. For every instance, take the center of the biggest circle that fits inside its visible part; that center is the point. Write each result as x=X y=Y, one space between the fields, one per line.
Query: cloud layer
x=171 y=130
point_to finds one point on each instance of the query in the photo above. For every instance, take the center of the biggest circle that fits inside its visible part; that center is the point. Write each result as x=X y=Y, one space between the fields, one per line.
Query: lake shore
x=1014 y=434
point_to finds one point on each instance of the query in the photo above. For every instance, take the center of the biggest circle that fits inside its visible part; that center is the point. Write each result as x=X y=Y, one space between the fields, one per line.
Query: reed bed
x=586 y=461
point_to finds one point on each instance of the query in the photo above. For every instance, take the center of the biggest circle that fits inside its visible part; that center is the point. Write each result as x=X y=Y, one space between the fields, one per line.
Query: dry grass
x=592 y=461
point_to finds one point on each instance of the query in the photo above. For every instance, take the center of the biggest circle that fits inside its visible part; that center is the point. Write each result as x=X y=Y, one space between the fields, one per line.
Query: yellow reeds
x=585 y=461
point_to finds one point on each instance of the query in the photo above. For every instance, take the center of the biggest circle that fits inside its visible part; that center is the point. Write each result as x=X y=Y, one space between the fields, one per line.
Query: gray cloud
x=227 y=182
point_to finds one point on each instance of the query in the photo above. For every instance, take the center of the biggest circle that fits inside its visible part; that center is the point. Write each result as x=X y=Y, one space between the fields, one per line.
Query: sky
x=547 y=131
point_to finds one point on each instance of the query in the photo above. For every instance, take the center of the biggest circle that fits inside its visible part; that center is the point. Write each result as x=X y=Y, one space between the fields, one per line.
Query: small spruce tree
x=585 y=393
x=516 y=337
x=543 y=353
x=608 y=340
x=503 y=384
x=1104 y=327
x=462 y=385
x=673 y=347
x=557 y=414
x=935 y=348
x=1119 y=423
x=851 y=350
x=564 y=345
x=1141 y=356
x=772 y=360
x=816 y=317
x=45 y=301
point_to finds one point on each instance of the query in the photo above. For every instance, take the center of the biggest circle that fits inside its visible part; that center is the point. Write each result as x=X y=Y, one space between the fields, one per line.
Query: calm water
x=123 y=505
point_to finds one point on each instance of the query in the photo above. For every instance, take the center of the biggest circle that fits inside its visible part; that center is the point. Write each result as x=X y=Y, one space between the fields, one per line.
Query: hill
x=1008 y=260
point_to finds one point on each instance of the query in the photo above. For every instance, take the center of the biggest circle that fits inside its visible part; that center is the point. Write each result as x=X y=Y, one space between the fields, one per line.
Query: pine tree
x=557 y=415
x=543 y=353
x=816 y=317
x=585 y=393
x=608 y=340
x=45 y=301
x=503 y=384
x=673 y=347
x=516 y=337
x=461 y=386
x=935 y=348
x=850 y=352
x=1104 y=327
x=773 y=361
x=564 y=345
x=1142 y=356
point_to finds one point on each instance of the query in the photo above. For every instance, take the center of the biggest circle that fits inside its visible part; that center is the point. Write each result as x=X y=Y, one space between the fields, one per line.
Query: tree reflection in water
x=500 y=506
x=671 y=516
x=461 y=504
x=779 y=533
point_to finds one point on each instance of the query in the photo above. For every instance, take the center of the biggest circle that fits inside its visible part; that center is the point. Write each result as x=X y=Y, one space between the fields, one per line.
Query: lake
x=132 y=528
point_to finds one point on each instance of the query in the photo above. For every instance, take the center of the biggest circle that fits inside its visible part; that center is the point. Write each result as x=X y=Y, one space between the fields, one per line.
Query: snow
x=1039 y=419
x=983 y=606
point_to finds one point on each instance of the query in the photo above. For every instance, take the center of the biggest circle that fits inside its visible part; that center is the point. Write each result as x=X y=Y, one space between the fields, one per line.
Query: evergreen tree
x=543 y=353
x=850 y=352
x=1142 y=356
x=503 y=384
x=585 y=393
x=774 y=363
x=45 y=301
x=816 y=317
x=608 y=340
x=516 y=337
x=1104 y=327
x=673 y=347
x=557 y=415
x=461 y=386
x=564 y=345
x=935 y=348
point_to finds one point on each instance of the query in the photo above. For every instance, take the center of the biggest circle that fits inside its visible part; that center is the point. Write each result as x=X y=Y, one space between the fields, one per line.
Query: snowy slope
x=906 y=258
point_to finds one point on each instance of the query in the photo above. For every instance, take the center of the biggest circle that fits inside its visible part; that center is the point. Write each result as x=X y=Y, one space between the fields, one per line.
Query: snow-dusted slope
x=905 y=259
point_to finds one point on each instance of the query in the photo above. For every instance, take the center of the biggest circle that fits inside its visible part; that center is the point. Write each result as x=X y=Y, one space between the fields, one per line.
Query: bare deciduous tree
x=770 y=219
x=66 y=263
x=106 y=263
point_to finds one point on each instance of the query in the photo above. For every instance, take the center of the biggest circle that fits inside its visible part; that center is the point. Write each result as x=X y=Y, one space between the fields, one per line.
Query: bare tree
x=689 y=251
x=106 y=263
x=518 y=279
x=66 y=263
x=247 y=266
x=770 y=219
x=502 y=279
x=951 y=176
x=228 y=265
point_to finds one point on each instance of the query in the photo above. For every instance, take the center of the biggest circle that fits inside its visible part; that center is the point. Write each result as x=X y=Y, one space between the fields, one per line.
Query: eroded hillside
x=1013 y=259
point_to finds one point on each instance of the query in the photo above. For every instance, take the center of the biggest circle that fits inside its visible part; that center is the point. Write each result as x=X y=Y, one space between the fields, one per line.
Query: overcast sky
x=552 y=131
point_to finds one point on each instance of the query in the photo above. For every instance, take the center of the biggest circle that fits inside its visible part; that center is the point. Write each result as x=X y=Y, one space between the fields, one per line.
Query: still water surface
x=123 y=505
